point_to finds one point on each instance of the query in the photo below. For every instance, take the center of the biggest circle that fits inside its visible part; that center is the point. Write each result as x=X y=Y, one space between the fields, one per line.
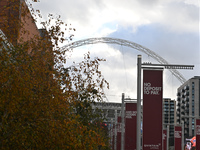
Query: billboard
x=177 y=137
x=152 y=109
x=130 y=126
x=165 y=139
x=197 y=133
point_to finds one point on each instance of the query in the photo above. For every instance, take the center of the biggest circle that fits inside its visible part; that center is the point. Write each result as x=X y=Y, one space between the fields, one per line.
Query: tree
x=43 y=104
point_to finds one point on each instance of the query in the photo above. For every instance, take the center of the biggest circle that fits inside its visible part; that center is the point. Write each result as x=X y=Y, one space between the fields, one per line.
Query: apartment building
x=188 y=104
x=169 y=116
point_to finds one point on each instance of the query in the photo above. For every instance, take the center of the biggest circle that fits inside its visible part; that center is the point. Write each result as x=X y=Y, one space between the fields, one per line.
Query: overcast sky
x=170 y=28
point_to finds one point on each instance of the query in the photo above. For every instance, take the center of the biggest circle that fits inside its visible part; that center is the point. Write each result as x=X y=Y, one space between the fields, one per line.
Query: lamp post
x=122 y=124
x=141 y=65
x=139 y=60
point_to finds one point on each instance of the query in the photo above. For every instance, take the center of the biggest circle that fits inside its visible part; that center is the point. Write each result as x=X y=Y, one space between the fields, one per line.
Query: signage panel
x=197 y=133
x=177 y=137
x=152 y=109
x=130 y=126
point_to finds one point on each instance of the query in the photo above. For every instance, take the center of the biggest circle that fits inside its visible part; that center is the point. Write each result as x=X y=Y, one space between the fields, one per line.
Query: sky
x=170 y=28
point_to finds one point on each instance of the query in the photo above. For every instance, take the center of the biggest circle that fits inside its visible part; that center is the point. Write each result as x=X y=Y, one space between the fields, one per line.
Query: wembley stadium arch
x=126 y=43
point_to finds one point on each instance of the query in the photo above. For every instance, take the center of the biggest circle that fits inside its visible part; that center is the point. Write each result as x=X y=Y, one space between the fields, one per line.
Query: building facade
x=16 y=21
x=169 y=116
x=188 y=104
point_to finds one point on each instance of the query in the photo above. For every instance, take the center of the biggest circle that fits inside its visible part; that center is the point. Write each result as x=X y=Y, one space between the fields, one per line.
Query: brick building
x=13 y=15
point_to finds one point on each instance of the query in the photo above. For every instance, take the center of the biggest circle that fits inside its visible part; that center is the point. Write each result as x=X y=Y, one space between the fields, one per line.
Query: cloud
x=164 y=42
x=170 y=28
x=88 y=16
x=181 y=17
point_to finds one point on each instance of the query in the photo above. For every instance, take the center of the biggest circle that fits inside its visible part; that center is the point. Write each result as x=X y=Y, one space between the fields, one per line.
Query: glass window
x=192 y=127
x=193 y=121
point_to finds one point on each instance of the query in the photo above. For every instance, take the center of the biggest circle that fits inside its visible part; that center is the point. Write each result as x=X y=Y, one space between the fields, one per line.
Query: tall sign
x=197 y=133
x=130 y=126
x=165 y=139
x=119 y=130
x=152 y=109
x=177 y=137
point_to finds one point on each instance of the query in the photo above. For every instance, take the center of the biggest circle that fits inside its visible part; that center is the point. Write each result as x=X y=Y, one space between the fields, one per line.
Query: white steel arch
x=127 y=43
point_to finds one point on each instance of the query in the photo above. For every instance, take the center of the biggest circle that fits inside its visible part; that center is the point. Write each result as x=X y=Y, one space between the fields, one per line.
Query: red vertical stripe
x=177 y=137
x=130 y=126
x=152 y=109
x=197 y=134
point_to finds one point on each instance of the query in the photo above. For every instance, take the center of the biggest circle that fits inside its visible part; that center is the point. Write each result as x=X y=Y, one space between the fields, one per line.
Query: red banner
x=177 y=137
x=130 y=126
x=197 y=134
x=152 y=109
x=113 y=137
x=119 y=133
x=165 y=139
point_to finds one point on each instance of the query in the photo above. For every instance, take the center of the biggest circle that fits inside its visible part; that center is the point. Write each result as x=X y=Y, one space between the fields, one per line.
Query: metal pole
x=122 y=117
x=139 y=60
x=115 y=136
x=167 y=137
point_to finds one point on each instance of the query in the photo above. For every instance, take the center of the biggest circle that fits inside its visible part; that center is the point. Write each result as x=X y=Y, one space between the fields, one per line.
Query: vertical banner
x=152 y=109
x=119 y=133
x=197 y=134
x=130 y=126
x=177 y=137
x=165 y=139
x=113 y=137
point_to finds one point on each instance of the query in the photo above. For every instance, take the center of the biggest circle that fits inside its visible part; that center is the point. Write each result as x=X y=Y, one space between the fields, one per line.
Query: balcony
x=186 y=87
x=166 y=115
x=182 y=113
x=187 y=105
x=178 y=99
x=183 y=107
x=186 y=93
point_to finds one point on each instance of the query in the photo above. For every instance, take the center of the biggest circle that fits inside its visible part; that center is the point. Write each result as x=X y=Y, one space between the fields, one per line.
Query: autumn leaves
x=44 y=105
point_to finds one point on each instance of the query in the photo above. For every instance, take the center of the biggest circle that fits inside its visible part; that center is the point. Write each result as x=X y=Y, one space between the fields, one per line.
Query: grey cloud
x=79 y=10
x=170 y=28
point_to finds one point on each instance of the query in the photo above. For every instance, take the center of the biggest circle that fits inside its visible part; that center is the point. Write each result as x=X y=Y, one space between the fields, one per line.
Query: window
x=192 y=127
x=193 y=121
